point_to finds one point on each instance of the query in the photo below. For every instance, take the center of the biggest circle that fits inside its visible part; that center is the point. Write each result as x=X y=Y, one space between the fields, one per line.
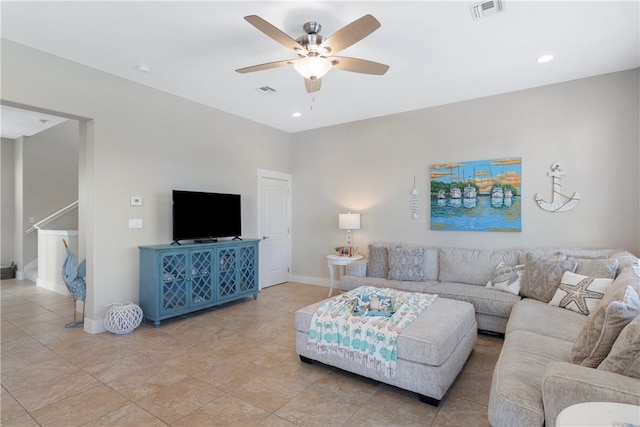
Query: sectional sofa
x=558 y=350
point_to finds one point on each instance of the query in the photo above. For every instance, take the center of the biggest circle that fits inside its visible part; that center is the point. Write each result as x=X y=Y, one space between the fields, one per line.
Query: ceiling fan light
x=312 y=67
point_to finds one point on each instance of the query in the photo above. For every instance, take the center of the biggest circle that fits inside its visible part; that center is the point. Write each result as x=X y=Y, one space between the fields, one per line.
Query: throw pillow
x=600 y=268
x=624 y=357
x=407 y=264
x=579 y=293
x=506 y=278
x=541 y=276
x=378 y=265
x=602 y=329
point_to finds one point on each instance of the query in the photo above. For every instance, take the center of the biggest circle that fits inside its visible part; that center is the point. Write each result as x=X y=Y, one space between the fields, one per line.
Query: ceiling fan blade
x=356 y=65
x=265 y=66
x=276 y=34
x=350 y=34
x=312 y=85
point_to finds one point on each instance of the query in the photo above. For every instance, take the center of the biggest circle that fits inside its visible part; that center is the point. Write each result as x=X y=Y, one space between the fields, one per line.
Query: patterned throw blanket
x=371 y=340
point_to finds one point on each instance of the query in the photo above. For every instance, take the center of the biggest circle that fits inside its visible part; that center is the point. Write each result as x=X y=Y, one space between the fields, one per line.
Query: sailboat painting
x=482 y=195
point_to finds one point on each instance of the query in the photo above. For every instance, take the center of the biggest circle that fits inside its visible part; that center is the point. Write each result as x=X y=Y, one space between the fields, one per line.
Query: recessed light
x=143 y=68
x=544 y=58
x=296 y=114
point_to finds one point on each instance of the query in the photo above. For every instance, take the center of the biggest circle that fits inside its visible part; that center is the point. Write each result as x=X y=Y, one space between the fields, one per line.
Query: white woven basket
x=122 y=317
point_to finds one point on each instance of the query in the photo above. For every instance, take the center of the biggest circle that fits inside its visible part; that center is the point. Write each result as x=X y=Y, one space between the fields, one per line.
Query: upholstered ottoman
x=431 y=350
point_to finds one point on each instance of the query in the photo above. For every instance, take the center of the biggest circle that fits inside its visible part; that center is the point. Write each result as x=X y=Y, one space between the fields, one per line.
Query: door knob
x=265 y=237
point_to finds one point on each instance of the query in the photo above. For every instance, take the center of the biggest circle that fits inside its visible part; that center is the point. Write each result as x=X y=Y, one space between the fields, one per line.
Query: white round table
x=341 y=262
x=598 y=414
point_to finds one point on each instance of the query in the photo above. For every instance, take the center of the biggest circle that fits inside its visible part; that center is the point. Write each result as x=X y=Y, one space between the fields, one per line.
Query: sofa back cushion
x=625 y=259
x=379 y=247
x=378 y=265
x=597 y=268
x=585 y=253
x=472 y=266
x=624 y=357
x=614 y=311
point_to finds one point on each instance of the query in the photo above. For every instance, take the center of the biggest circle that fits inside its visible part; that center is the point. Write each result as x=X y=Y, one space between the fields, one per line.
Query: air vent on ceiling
x=266 y=90
x=486 y=8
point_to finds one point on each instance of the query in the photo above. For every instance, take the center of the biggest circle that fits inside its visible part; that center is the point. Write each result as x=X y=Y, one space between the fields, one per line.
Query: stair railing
x=38 y=225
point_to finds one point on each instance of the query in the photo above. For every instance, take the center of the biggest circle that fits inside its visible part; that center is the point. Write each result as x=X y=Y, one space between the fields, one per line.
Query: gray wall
x=50 y=180
x=590 y=126
x=39 y=177
x=140 y=142
x=7 y=182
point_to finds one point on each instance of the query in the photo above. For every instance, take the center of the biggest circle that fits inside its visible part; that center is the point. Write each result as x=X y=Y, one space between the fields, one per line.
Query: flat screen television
x=205 y=217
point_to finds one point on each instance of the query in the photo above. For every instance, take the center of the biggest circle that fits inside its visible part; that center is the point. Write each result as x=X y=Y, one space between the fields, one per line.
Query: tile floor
x=231 y=366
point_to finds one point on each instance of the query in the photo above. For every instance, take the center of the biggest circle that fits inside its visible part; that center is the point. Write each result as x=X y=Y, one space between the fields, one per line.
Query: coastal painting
x=482 y=195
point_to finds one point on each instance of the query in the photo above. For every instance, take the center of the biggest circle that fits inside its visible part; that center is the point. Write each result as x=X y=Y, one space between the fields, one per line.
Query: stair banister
x=52 y=217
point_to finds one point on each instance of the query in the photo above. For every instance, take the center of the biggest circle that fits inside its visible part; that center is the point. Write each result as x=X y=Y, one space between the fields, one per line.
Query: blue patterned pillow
x=407 y=264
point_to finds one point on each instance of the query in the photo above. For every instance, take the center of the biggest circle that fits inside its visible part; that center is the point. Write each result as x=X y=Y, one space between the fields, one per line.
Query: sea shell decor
x=414 y=200
x=559 y=202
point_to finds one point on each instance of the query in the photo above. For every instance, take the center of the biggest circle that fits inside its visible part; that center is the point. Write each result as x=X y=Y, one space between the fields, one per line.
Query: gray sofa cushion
x=348 y=283
x=485 y=300
x=516 y=388
x=624 y=357
x=541 y=276
x=589 y=336
x=602 y=329
x=535 y=316
x=584 y=253
x=472 y=266
x=597 y=268
x=625 y=259
x=378 y=265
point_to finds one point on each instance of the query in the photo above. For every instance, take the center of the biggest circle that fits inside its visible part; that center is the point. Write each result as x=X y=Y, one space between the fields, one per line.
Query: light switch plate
x=136 y=201
x=135 y=223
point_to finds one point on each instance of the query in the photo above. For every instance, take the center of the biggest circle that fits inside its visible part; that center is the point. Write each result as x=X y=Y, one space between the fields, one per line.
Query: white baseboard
x=94 y=326
x=55 y=287
x=307 y=280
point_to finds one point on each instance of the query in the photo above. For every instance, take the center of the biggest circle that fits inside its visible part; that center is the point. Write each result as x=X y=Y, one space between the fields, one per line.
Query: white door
x=274 y=226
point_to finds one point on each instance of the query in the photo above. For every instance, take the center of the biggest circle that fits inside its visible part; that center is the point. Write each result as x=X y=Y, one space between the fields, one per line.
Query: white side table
x=341 y=262
x=598 y=414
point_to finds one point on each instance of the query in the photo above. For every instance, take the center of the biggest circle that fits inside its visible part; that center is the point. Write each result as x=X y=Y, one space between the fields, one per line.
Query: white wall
x=7 y=183
x=590 y=126
x=140 y=142
x=50 y=180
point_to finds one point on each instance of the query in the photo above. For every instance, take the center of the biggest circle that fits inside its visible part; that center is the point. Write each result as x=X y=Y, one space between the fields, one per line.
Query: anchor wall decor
x=559 y=202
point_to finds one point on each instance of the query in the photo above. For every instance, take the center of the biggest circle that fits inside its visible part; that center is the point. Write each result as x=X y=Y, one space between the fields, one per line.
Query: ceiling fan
x=316 y=54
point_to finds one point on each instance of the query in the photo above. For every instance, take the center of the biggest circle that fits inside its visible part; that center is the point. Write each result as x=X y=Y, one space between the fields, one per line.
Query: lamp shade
x=349 y=221
x=312 y=67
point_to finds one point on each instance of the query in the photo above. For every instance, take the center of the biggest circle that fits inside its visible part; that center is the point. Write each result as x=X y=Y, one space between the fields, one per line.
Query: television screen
x=205 y=216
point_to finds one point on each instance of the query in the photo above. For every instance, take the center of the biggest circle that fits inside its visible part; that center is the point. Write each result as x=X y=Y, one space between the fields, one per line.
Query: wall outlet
x=135 y=223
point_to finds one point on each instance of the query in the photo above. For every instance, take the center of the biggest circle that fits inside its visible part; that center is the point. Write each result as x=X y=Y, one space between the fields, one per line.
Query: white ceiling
x=437 y=53
x=17 y=122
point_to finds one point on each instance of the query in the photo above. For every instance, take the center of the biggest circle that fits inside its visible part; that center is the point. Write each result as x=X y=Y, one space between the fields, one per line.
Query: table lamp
x=349 y=221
